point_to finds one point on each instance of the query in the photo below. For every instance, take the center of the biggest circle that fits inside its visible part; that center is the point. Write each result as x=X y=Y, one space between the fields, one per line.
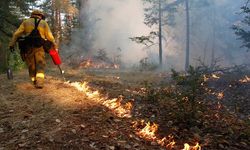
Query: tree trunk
x=213 y=40
x=160 y=34
x=59 y=27
x=187 y=34
x=53 y=16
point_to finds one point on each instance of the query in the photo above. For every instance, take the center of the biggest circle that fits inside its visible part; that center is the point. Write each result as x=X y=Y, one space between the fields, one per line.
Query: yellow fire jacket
x=26 y=28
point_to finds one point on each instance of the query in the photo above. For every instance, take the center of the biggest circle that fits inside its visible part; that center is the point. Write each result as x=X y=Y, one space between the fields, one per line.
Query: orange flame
x=215 y=76
x=113 y=104
x=205 y=78
x=167 y=142
x=188 y=147
x=128 y=106
x=148 y=132
x=246 y=79
x=220 y=95
x=98 y=65
x=118 y=108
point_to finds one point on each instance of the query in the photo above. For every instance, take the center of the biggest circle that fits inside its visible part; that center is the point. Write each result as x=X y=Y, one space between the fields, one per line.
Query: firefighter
x=33 y=56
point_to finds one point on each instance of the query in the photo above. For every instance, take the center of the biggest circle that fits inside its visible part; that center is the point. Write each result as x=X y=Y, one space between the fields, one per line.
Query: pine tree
x=11 y=15
x=242 y=29
x=157 y=13
x=60 y=26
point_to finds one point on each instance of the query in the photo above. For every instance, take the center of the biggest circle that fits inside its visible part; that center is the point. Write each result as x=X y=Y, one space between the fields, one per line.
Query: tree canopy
x=242 y=28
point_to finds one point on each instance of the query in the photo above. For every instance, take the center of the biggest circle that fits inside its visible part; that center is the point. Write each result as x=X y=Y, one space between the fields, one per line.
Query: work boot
x=39 y=83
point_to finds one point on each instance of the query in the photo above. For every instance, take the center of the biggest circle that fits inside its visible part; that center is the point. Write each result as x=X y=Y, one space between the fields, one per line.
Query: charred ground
x=62 y=117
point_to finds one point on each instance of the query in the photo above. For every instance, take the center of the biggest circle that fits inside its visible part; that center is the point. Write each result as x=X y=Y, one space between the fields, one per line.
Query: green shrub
x=15 y=61
x=188 y=89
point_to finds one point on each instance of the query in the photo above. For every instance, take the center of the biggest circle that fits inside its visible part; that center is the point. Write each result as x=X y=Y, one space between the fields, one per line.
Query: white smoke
x=108 y=24
x=210 y=28
x=117 y=21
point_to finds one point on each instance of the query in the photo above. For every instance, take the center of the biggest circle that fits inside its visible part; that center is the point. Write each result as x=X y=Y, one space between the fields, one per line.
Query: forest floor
x=113 y=110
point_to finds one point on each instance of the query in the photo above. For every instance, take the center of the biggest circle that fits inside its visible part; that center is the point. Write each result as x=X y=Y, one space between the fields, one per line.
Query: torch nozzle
x=62 y=72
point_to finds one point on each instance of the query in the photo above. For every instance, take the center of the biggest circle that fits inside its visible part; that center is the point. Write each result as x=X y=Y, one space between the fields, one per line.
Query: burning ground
x=115 y=109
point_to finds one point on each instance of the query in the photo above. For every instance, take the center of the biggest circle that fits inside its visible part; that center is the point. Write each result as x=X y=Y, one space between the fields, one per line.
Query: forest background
x=210 y=33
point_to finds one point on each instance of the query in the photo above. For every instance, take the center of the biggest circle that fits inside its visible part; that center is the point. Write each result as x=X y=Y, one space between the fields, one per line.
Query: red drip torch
x=56 y=59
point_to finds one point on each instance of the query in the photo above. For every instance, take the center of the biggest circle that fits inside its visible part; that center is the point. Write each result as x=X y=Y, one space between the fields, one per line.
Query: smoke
x=109 y=24
x=210 y=27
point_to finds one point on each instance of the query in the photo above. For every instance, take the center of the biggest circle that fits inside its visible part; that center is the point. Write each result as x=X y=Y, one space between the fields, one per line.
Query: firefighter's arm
x=19 y=32
x=49 y=36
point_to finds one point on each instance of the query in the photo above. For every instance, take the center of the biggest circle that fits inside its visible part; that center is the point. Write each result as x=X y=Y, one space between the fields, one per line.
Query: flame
x=148 y=132
x=220 y=95
x=123 y=111
x=188 y=147
x=219 y=106
x=246 y=79
x=168 y=143
x=113 y=104
x=93 y=94
x=82 y=87
x=205 y=78
x=215 y=76
x=128 y=106
x=162 y=141
x=89 y=63
x=116 y=66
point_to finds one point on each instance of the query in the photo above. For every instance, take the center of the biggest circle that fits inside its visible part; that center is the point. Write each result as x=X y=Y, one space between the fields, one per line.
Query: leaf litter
x=60 y=116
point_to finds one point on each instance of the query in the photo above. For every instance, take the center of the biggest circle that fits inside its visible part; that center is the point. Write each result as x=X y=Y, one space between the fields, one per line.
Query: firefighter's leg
x=40 y=66
x=30 y=61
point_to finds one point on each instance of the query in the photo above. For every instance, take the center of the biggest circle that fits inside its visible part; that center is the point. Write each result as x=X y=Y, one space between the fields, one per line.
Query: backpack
x=34 y=39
